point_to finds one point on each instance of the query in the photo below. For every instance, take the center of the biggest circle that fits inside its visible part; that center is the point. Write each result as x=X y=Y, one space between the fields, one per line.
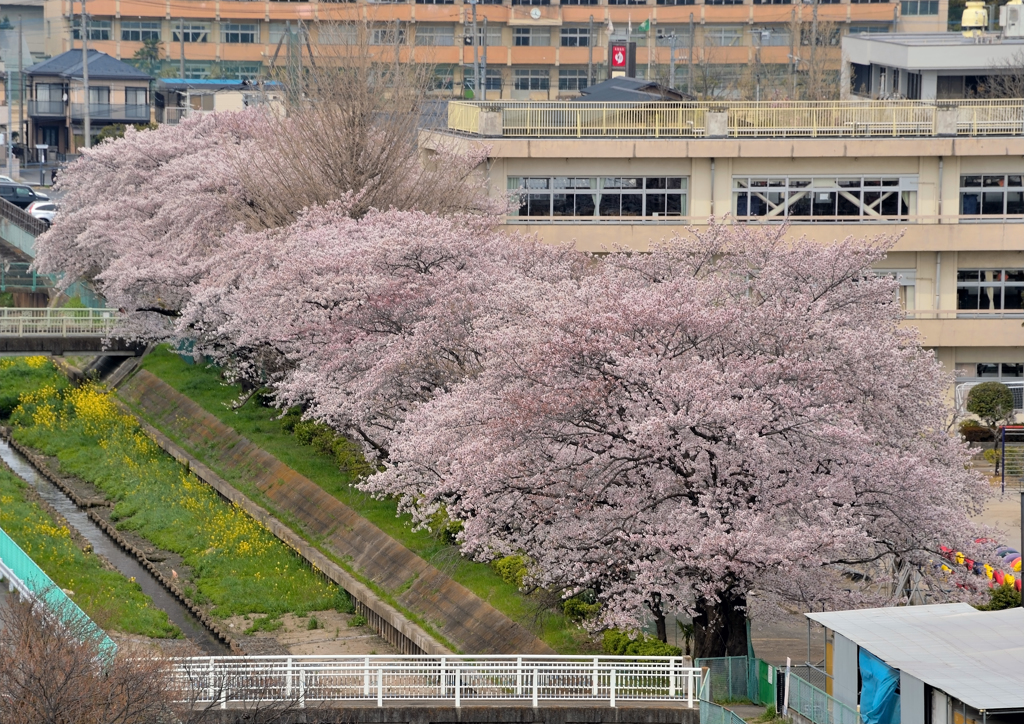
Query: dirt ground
x=332 y=636
x=1003 y=512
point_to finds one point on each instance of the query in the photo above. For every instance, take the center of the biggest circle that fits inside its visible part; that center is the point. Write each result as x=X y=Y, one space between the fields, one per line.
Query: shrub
x=618 y=643
x=305 y=431
x=1000 y=597
x=578 y=609
x=356 y=621
x=991 y=401
x=343 y=602
x=323 y=440
x=264 y=623
x=971 y=431
x=991 y=456
x=512 y=569
x=313 y=624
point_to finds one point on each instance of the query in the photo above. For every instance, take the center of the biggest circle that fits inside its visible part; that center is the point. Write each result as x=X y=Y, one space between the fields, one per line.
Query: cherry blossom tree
x=730 y=422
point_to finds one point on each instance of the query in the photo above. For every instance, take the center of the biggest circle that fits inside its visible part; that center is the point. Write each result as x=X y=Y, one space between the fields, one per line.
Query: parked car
x=40 y=194
x=20 y=195
x=43 y=210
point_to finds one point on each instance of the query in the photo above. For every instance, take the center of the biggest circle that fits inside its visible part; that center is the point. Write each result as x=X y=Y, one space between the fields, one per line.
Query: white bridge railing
x=220 y=680
x=31 y=322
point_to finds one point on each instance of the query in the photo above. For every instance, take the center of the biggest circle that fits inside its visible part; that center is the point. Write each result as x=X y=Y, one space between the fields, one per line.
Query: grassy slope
x=204 y=386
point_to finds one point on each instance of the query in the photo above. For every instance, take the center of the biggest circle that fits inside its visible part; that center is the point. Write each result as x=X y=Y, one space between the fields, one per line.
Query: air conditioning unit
x=1011 y=18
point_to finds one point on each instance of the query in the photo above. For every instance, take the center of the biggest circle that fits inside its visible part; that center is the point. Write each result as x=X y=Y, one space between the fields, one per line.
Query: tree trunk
x=720 y=629
x=659 y=617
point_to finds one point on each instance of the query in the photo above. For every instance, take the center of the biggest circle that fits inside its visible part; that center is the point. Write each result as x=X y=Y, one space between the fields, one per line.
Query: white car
x=43 y=210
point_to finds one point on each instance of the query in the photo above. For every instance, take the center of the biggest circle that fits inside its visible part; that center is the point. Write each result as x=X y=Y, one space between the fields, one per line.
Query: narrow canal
x=179 y=615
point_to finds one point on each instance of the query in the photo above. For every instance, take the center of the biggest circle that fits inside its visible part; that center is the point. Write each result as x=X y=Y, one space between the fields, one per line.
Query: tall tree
x=732 y=421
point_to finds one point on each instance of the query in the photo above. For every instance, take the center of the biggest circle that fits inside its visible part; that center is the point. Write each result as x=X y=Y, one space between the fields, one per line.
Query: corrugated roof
x=101 y=65
x=974 y=656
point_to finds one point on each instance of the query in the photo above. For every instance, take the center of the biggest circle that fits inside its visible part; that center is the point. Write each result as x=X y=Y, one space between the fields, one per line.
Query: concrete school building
x=941 y=664
x=535 y=49
x=948 y=180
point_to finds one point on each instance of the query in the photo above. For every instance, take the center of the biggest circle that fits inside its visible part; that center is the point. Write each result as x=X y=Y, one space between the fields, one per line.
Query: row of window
x=990 y=289
x=562 y=196
x=814 y=198
x=636 y=2
x=139 y=31
x=98 y=95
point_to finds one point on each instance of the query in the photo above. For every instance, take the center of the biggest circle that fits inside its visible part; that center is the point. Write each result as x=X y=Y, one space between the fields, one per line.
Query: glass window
x=828 y=198
x=990 y=289
x=493 y=78
x=98 y=29
x=444 y=77
x=532 y=79
x=533 y=37
x=676 y=2
x=575 y=37
x=991 y=195
x=724 y=35
x=641 y=197
x=919 y=7
x=194 y=33
x=136 y=96
x=570 y=79
x=665 y=33
x=99 y=95
x=388 y=35
x=239 y=32
x=435 y=35
x=139 y=30
x=579 y=2
x=341 y=34
x=493 y=34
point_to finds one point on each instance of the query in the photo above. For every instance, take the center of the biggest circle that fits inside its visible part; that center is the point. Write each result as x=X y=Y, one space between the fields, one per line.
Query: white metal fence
x=31 y=322
x=392 y=679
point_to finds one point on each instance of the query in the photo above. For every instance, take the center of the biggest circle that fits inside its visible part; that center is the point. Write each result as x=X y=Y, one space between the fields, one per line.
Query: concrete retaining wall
x=469 y=623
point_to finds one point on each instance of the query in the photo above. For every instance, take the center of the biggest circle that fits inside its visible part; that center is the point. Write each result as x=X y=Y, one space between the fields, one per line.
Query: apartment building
x=535 y=49
x=948 y=181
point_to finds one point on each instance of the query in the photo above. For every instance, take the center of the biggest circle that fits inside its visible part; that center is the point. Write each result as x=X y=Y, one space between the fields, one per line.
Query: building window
x=906 y=294
x=443 y=78
x=197 y=70
x=990 y=289
x=99 y=95
x=611 y=197
x=98 y=29
x=772 y=37
x=664 y=34
x=575 y=37
x=919 y=7
x=534 y=37
x=435 y=2
x=531 y=2
x=724 y=36
x=579 y=2
x=239 y=32
x=627 y=2
x=572 y=79
x=139 y=30
x=493 y=34
x=864 y=198
x=443 y=35
x=388 y=35
x=723 y=2
x=991 y=195
x=493 y=79
x=535 y=79
x=341 y=34
x=136 y=96
x=241 y=70
x=194 y=33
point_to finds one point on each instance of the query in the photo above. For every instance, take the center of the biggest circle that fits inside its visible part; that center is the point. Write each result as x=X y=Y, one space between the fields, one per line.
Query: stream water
x=179 y=615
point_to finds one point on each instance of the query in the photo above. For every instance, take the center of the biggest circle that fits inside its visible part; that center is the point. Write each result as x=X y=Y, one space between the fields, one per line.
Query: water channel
x=179 y=615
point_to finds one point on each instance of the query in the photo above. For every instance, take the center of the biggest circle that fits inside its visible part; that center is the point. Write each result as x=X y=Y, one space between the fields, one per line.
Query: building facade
x=949 y=185
x=535 y=49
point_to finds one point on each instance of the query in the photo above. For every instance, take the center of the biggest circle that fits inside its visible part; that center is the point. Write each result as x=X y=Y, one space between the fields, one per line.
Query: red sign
x=618 y=56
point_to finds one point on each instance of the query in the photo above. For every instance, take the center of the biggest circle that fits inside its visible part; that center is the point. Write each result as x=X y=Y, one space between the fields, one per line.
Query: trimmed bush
x=512 y=569
x=618 y=643
x=991 y=401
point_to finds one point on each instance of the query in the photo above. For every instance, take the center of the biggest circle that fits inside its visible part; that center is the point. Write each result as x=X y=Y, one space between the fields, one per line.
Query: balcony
x=786 y=119
x=116 y=112
x=47 y=109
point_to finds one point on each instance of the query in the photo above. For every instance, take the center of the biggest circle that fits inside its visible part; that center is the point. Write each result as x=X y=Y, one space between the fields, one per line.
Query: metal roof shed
x=956 y=663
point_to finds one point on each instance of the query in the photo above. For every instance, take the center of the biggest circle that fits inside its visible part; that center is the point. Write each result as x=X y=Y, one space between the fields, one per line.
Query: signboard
x=618 y=56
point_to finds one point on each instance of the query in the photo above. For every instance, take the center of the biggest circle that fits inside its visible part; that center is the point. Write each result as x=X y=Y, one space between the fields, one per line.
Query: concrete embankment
x=471 y=624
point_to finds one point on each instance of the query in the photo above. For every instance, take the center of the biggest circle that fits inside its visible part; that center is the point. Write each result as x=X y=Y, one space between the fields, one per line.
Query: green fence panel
x=42 y=587
x=762 y=683
x=714 y=714
x=728 y=678
x=816 y=705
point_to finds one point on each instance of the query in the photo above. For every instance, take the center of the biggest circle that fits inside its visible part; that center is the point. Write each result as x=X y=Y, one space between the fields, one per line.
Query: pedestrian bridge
x=25 y=331
x=453 y=680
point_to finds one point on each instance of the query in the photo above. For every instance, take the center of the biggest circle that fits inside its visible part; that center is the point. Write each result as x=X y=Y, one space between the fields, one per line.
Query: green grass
x=109 y=598
x=203 y=385
x=19 y=375
x=238 y=565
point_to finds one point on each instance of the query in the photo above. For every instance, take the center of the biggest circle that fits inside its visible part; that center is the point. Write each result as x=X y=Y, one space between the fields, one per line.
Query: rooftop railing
x=49 y=322
x=768 y=119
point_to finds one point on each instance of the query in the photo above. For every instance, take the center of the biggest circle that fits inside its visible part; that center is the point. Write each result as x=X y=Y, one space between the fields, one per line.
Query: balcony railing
x=174 y=115
x=789 y=119
x=111 y=112
x=47 y=108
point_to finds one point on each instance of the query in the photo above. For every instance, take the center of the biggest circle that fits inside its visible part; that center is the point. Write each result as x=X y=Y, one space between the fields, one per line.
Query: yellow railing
x=806 y=119
x=464 y=117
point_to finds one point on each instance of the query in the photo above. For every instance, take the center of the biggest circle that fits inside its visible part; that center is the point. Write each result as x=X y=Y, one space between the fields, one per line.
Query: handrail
x=20 y=218
x=33 y=322
x=31 y=581
x=747 y=119
x=454 y=678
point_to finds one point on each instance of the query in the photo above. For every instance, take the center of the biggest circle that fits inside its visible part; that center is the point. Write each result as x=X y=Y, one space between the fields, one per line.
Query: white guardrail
x=400 y=679
x=31 y=322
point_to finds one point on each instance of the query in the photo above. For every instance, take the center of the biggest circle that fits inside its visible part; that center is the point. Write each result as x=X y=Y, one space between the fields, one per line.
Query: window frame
x=1012 y=183
x=1010 y=279
x=598 y=193
x=144 y=29
x=578 y=75
x=194 y=32
x=571 y=36
x=806 y=191
x=239 y=33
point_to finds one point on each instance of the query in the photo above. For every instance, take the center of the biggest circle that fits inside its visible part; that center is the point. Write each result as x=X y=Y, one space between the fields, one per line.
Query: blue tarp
x=879 y=691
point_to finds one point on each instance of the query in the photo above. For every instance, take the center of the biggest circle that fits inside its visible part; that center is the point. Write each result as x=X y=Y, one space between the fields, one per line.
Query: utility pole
x=814 y=47
x=10 y=145
x=181 y=52
x=22 y=124
x=590 y=53
x=672 y=62
x=689 y=68
x=86 y=120
x=476 y=55
x=794 y=32
x=483 y=65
